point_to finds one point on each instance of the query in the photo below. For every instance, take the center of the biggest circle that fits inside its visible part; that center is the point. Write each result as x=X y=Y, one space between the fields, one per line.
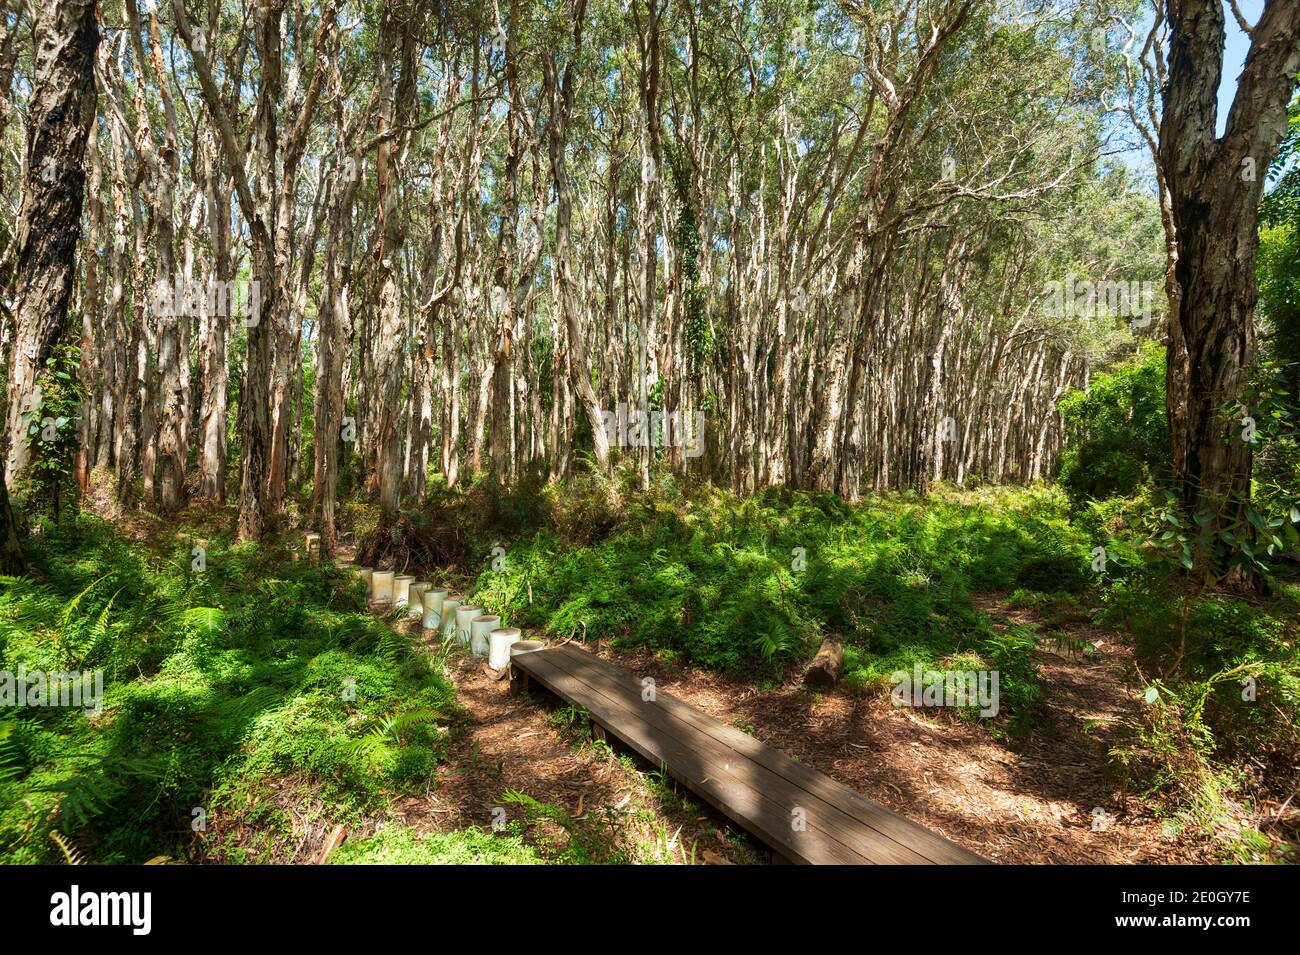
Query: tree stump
x=828 y=666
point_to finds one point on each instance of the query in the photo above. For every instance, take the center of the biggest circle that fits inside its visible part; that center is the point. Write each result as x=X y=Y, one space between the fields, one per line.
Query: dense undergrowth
x=237 y=681
x=749 y=586
x=1219 y=731
x=246 y=683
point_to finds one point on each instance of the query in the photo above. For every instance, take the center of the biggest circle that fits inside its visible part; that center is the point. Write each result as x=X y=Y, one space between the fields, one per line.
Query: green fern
x=83 y=798
x=10 y=762
x=28 y=604
x=209 y=621
x=241 y=709
x=371 y=749
x=71 y=854
x=391 y=646
x=395 y=727
x=89 y=794
x=71 y=608
x=388 y=734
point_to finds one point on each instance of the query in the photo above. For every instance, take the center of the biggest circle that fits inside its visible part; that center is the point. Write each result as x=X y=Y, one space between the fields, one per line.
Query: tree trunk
x=397 y=48
x=60 y=111
x=12 y=561
x=168 y=397
x=561 y=107
x=214 y=368
x=332 y=331
x=1215 y=197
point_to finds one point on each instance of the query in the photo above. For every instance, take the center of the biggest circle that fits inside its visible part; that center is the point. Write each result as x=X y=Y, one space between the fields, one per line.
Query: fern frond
x=28 y=603
x=99 y=629
x=371 y=748
x=90 y=793
x=10 y=767
x=83 y=798
x=71 y=854
x=243 y=708
x=207 y=620
x=393 y=727
x=71 y=607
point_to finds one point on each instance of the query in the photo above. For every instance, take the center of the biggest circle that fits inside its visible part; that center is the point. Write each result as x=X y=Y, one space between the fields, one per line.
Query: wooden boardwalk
x=804 y=815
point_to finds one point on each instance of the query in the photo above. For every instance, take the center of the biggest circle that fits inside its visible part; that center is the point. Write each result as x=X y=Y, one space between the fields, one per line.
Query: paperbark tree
x=60 y=110
x=1215 y=185
x=397 y=58
x=258 y=209
x=333 y=319
x=214 y=341
x=166 y=453
x=562 y=93
x=12 y=560
x=286 y=361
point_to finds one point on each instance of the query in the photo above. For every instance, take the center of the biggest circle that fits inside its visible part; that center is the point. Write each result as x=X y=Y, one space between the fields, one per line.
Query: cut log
x=828 y=666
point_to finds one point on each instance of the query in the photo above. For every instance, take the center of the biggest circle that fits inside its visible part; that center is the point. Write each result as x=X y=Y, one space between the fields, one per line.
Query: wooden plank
x=715 y=785
x=779 y=796
x=870 y=845
x=898 y=828
x=744 y=778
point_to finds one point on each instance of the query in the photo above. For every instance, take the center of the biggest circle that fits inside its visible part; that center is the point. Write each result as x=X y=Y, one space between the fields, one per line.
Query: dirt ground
x=1032 y=805
x=519 y=743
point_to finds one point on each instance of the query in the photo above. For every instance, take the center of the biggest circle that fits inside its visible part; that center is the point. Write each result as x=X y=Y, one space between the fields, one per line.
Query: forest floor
x=1034 y=803
x=530 y=744
x=533 y=745
x=236 y=676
